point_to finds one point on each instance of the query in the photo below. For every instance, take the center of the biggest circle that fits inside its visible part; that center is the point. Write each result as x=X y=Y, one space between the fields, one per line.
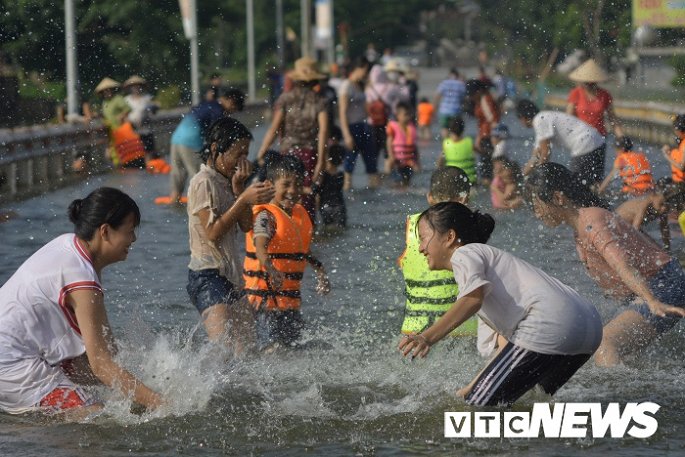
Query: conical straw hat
x=589 y=72
x=133 y=80
x=107 y=83
x=306 y=70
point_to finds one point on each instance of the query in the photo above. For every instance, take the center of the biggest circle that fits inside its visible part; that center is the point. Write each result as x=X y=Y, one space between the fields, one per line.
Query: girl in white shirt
x=54 y=332
x=551 y=331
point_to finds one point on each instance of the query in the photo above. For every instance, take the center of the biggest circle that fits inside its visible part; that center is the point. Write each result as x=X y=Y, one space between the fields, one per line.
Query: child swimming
x=505 y=188
x=551 y=331
x=623 y=261
x=219 y=206
x=278 y=249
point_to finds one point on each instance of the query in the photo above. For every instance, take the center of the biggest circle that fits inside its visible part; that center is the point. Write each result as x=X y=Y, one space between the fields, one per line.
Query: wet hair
x=526 y=109
x=406 y=106
x=336 y=154
x=105 y=205
x=284 y=166
x=679 y=122
x=456 y=126
x=236 y=95
x=552 y=177
x=449 y=183
x=224 y=133
x=624 y=143
x=470 y=226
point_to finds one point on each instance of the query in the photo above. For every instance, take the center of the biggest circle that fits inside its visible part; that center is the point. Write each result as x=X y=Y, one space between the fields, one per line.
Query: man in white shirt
x=552 y=128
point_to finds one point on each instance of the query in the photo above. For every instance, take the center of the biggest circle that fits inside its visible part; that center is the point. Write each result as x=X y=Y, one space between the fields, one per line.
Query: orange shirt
x=678 y=154
x=425 y=112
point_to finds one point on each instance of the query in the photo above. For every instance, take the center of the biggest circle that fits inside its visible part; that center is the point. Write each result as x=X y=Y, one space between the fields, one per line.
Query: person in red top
x=487 y=113
x=633 y=168
x=589 y=102
x=676 y=156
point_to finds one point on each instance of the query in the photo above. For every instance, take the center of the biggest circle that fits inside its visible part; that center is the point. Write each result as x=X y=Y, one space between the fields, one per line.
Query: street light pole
x=194 y=56
x=305 y=26
x=251 y=86
x=70 y=38
x=280 y=38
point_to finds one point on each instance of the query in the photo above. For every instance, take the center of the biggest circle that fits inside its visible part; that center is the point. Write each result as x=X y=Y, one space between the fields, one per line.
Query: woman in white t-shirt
x=551 y=331
x=54 y=332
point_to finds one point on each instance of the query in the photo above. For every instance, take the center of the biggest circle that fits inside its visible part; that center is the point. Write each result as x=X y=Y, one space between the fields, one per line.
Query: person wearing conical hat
x=589 y=102
x=114 y=107
x=142 y=107
x=301 y=116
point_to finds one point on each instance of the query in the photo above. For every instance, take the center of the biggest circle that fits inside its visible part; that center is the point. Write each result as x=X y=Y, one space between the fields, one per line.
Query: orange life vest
x=158 y=166
x=677 y=154
x=287 y=250
x=635 y=172
x=127 y=143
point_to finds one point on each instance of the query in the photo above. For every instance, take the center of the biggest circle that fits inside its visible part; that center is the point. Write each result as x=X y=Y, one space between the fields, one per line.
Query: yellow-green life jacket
x=430 y=293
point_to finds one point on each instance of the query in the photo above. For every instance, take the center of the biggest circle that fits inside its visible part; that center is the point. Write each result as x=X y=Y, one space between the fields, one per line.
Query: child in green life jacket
x=457 y=150
x=431 y=293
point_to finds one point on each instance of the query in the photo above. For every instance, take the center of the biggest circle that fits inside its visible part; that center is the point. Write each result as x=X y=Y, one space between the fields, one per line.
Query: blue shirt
x=452 y=93
x=194 y=126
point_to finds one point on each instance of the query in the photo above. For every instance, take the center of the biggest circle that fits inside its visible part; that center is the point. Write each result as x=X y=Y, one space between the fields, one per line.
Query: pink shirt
x=602 y=237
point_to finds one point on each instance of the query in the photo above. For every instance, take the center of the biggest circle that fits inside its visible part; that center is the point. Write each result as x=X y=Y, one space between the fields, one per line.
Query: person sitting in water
x=624 y=262
x=54 y=332
x=550 y=330
x=278 y=249
x=666 y=199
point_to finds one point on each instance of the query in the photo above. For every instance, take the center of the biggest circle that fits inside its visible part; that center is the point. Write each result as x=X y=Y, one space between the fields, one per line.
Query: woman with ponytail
x=54 y=333
x=623 y=261
x=550 y=330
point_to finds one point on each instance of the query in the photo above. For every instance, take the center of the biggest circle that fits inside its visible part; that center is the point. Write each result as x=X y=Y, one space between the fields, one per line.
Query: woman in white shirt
x=54 y=332
x=551 y=331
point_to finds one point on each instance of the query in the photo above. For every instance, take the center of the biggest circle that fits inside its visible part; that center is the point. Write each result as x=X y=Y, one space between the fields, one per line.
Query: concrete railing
x=36 y=159
x=649 y=122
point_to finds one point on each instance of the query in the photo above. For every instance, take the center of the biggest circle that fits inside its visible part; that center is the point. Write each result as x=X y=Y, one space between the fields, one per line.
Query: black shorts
x=590 y=167
x=514 y=371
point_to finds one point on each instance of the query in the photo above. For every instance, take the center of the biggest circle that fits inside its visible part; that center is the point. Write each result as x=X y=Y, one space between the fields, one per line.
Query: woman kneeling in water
x=54 y=332
x=623 y=261
x=551 y=331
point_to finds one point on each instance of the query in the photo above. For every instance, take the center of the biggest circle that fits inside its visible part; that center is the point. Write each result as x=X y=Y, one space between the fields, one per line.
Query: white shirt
x=524 y=304
x=566 y=131
x=38 y=330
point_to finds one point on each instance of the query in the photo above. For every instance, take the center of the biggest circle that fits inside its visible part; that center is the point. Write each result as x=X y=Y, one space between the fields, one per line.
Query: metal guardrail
x=37 y=159
x=647 y=121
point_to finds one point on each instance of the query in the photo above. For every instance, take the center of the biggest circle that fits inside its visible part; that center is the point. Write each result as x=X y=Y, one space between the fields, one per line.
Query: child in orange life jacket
x=401 y=145
x=668 y=197
x=278 y=248
x=425 y=118
x=633 y=168
x=676 y=156
x=219 y=206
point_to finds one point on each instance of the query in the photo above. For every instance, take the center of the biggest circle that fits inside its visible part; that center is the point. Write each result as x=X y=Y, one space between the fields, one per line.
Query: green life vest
x=430 y=293
x=460 y=154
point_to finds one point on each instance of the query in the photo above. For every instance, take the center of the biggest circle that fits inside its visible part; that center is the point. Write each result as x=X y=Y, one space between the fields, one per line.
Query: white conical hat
x=107 y=83
x=589 y=72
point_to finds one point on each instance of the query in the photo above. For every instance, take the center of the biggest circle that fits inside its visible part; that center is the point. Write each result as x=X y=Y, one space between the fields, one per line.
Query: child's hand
x=416 y=344
x=242 y=171
x=258 y=193
x=323 y=286
x=275 y=277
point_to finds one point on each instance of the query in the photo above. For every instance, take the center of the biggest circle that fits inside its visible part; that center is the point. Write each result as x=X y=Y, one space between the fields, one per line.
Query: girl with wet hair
x=551 y=331
x=623 y=261
x=54 y=333
x=219 y=209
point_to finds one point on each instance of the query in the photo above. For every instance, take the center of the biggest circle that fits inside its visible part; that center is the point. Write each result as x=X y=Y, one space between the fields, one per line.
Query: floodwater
x=349 y=392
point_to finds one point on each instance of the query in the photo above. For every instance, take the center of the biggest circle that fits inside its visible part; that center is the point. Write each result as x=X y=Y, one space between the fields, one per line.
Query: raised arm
x=607 y=180
x=91 y=316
